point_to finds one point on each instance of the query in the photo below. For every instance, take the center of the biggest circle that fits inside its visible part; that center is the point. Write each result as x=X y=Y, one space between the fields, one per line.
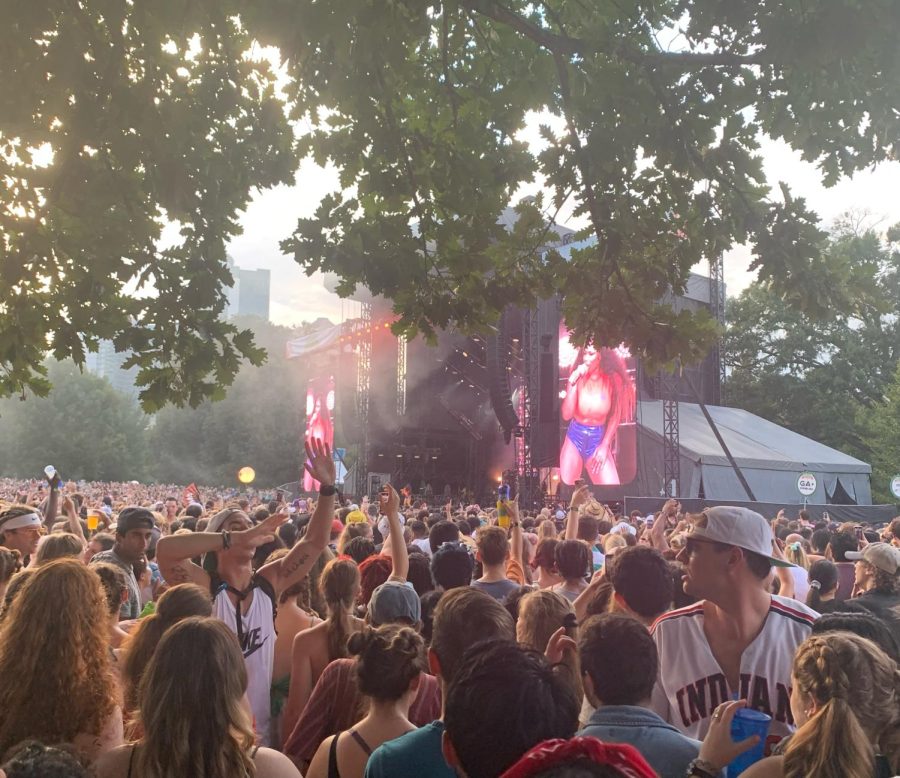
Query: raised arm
x=389 y=505
x=74 y=524
x=175 y=552
x=52 y=503
x=290 y=569
x=579 y=498
x=516 y=537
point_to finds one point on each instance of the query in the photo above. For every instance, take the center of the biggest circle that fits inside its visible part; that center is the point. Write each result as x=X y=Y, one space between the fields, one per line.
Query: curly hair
x=856 y=688
x=623 y=393
x=64 y=680
x=10 y=564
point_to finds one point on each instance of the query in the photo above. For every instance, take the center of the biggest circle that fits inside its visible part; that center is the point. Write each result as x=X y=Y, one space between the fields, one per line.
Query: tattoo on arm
x=179 y=574
x=295 y=565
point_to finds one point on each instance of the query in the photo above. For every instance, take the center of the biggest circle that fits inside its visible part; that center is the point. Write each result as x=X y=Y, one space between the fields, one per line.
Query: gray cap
x=881 y=555
x=394 y=601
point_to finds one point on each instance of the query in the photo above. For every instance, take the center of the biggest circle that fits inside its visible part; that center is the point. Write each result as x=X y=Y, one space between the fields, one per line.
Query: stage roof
x=771 y=457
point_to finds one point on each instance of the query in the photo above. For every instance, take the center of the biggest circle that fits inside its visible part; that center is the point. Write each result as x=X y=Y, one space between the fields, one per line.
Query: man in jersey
x=241 y=598
x=600 y=394
x=739 y=640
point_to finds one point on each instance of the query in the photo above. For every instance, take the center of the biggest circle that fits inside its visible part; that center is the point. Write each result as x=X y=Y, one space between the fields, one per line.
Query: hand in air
x=319 y=462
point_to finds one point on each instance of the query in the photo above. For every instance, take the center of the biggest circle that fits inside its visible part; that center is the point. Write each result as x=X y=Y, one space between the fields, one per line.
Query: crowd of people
x=149 y=632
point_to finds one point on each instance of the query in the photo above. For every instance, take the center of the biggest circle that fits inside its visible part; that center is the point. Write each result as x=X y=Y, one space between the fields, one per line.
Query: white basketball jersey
x=258 y=632
x=691 y=684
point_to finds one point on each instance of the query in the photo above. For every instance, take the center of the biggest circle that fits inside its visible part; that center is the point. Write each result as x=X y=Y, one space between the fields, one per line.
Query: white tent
x=770 y=457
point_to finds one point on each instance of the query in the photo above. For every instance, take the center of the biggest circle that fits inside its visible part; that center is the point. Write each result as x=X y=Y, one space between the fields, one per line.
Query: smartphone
x=859 y=533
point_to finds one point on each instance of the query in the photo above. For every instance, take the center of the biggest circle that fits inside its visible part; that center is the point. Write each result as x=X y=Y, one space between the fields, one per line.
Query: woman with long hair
x=314 y=648
x=600 y=396
x=193 y=714
x=845 y=701
x=58 y=682
x=541 y=614
x=174 y=605
x=390 y=661
x=796 y=555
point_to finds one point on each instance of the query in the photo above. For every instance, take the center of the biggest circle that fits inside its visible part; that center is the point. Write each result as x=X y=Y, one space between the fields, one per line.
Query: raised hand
x=579 y=497
x=262 y=533
x=388 y=501
x=319 y=462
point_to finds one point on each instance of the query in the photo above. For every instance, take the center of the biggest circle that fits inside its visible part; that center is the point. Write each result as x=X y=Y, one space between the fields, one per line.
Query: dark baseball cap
x=134 y=517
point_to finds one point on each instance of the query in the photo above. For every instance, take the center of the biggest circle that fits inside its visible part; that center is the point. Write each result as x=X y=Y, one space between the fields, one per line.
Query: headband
x=625 y=759
x=20 y=522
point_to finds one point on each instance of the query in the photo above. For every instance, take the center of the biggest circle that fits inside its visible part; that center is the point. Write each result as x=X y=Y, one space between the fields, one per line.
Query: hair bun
x=359 y=641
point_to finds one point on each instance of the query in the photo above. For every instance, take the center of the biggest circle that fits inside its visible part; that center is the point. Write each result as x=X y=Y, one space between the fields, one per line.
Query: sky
x=298 y=298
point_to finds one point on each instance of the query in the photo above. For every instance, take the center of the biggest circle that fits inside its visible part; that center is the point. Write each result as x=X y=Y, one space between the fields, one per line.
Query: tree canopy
x=832 y=379
x=85 y=428
x=653 y=111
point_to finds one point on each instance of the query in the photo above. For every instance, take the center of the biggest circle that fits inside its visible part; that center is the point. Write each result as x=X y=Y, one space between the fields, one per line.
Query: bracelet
x=226 y=540
x=702 y=768
x=327 y=490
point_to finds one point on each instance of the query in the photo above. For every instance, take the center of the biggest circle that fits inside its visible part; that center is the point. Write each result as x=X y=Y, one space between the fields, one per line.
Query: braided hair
x=855 y=688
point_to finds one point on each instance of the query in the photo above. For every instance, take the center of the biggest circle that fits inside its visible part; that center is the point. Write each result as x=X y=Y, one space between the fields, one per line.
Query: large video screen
x=598 y=399
x=319 y=419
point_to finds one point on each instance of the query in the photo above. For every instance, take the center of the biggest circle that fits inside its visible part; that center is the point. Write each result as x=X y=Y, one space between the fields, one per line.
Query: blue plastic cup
x=747 y=722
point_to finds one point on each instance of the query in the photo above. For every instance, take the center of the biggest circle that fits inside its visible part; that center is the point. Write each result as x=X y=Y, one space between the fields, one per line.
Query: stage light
x=434 y=457
x=246 y=475
x=416 y=456
x=399 y=456
x=555 y=477
x=465 y=355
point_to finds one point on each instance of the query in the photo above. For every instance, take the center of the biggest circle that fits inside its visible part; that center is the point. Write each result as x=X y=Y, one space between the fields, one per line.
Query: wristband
x=328 y=490
x=226 y=540
x=702 y=768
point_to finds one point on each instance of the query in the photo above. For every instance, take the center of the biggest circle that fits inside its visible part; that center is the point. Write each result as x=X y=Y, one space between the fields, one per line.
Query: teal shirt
x=415 y=753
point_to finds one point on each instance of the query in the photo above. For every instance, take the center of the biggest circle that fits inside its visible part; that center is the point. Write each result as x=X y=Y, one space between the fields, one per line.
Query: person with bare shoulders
x=390 y=662
x=294 y=616
x=315 y=648
x=242 y=598
x=600 y=395
x=193 y=714
x=739 y=640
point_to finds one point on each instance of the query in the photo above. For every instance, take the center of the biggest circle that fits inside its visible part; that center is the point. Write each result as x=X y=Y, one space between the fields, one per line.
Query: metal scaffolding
x=529 y=478
x=401 y=376
x=671 y=446
x=717 y=309
x=363 y=391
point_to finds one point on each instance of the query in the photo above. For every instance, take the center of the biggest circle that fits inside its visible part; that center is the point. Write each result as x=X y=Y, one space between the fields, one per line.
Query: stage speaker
x=548 y=399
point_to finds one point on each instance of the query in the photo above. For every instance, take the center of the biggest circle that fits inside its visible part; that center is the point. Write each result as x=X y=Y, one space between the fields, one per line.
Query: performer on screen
x=318 y=427
x=600 y=395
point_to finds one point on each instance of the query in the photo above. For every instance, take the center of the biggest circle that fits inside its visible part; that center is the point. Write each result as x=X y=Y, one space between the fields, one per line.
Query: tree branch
x=567 y=45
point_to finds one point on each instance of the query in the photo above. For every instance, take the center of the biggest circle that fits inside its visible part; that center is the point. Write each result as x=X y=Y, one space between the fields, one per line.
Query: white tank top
x=258 y=646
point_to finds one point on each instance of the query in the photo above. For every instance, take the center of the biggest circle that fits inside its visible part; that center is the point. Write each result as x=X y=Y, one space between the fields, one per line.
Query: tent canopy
x=770 y=457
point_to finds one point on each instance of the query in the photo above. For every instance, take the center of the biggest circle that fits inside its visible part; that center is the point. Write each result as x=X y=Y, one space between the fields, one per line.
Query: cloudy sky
x=297 y=298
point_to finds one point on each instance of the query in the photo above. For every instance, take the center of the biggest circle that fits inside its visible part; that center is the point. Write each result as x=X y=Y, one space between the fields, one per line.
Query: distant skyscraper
x=106 y=363
x=250 y=294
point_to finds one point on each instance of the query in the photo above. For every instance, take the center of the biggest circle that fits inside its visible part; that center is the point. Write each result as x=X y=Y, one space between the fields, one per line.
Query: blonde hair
x=541 y=613
x=856 y=688
x=795 y=554
x=547 y=530
x=61 y=545
x=192 y=710
x=613 y=541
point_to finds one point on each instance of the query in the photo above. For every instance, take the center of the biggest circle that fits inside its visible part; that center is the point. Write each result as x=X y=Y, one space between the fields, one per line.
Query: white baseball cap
x=884 y=556
x=739 y=527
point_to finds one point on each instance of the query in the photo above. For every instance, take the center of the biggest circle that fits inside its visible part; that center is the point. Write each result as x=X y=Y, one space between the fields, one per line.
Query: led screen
x=598 y=400
x=319 y=419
